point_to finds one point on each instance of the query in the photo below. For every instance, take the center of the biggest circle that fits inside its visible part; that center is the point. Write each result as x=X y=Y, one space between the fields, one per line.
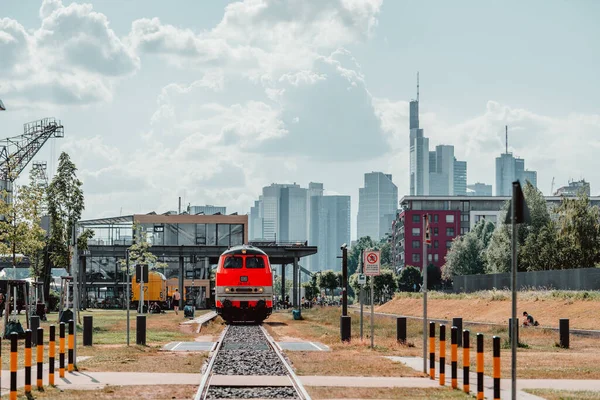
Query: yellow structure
x=155 y=290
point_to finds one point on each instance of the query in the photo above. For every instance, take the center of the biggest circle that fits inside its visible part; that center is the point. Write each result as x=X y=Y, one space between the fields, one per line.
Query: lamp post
x=345 y=319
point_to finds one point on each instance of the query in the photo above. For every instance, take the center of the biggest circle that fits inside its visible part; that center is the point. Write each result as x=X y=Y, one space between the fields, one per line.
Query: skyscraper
x=290 y=213
x=510 y=169
x=377 y=205
x=441 y=171
x=460 y=178
x=419 y=151
x=329 y=229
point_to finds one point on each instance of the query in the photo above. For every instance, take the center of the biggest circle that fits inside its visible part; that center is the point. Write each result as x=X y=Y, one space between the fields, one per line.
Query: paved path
x=368 y=381
x=505 y=383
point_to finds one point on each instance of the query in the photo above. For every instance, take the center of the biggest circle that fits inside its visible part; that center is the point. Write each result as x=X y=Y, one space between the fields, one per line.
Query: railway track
x=247 y=364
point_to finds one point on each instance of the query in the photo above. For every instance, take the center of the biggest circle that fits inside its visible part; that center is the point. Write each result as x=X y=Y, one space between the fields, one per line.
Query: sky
x=213 y=100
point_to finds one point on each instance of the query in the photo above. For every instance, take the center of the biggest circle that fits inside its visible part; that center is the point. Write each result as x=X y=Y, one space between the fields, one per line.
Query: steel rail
x=205 y=382
x=302 y=393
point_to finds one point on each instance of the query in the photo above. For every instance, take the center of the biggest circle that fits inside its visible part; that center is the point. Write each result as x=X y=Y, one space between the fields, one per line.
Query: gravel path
x=246 y=351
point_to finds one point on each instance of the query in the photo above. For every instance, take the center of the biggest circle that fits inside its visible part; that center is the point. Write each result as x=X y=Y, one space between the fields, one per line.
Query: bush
x=53 y=301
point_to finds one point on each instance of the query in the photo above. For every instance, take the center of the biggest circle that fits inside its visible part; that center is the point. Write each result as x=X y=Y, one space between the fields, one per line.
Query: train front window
x=233 y=262
x=255 y=262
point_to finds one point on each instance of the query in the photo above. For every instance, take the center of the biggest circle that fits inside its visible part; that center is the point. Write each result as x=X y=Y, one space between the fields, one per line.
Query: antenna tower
x=417 y=86
x=506 y=135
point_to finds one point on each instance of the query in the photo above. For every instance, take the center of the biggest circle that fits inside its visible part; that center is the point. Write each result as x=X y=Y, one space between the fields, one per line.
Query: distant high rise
x=574 y=188
x=255 y=228
x=207 y=210
x=460 y=178
x=293 y=219
x=510 y=169
x=419 y=151
x=441 y=171
x=290 y=213
x=329 y=229
x=377 y=205
x=479 y=189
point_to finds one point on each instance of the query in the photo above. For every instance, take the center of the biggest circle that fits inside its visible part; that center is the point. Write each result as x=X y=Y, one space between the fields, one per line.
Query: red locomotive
x=244 y=285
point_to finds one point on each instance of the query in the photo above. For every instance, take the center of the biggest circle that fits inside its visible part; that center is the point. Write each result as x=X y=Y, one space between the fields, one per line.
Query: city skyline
x=210 y=105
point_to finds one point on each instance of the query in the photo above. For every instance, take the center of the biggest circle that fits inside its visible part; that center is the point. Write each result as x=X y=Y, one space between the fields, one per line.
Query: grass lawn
x=542 y=359
x=109 y=350
x=384 y=393
x=550 y=394
x=111 y=392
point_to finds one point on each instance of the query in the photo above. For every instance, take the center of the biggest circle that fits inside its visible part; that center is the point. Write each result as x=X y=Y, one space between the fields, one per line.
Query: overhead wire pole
x=424 y=288
x=515 y=193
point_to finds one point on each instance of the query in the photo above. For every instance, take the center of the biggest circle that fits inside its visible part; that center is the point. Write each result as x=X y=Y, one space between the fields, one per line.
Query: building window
x=436 y=218
x=416 y=231
x=237 y=234
x=450 y=218
x=416 y=218
x=464 y=231
x=211 y=234
x=200 y=233
x=436 y=244
x=436 y=231
x=416 y=257
x=464 y=217
x=436 y=257
x=448 y=244
x=450 y=232
x=429 y=258
x=223 y=234
x=416 y=244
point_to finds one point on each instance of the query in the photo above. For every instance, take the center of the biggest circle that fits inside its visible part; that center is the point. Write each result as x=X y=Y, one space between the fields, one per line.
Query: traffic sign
x=362 y=279
x=372 y=258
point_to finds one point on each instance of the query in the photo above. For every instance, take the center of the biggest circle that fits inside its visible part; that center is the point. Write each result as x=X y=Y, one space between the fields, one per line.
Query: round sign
x=372 y=258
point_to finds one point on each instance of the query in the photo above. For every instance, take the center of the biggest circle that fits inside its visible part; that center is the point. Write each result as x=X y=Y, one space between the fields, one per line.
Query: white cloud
x=73 y=57
x=258 y=37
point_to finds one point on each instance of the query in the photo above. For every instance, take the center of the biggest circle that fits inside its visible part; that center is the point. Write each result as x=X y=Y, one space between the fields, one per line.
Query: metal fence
x=564 y=279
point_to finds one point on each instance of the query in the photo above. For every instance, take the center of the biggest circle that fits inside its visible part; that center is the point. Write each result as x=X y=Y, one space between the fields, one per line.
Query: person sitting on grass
x=529 y=320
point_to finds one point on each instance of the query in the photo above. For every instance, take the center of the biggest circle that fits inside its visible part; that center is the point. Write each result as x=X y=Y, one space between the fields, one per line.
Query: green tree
x=277 y=286
x=329 y=281
x=21 y=233
x=65 y=205
x=386 y=253
x=467 y=256
x=410 y=278
x=498 y=253
x=579 y=231
x=384 y=285
x=354 y=255
x=139 y=252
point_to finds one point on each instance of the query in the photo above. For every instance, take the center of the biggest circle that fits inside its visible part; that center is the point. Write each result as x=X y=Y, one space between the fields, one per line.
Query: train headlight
x=227 y=290
x=260 y=290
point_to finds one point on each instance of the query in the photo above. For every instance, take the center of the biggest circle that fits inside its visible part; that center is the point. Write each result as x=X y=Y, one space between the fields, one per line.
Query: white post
x=372 y=278
x=128 y=292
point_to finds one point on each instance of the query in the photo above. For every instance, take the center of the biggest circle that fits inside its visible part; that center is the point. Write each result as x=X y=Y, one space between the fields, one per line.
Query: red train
x=244 y=285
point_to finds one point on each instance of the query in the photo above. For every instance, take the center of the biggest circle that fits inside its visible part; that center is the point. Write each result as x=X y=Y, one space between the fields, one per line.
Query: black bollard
x=34 y=324
x=457 y=322
x=564 y=332
x=345 y=328
x=140 y=330
x=401 y=329
x=510 y=330
x=88 y=327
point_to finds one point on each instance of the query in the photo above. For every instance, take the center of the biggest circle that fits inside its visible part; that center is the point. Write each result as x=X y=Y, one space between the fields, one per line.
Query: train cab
x=244 y=285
